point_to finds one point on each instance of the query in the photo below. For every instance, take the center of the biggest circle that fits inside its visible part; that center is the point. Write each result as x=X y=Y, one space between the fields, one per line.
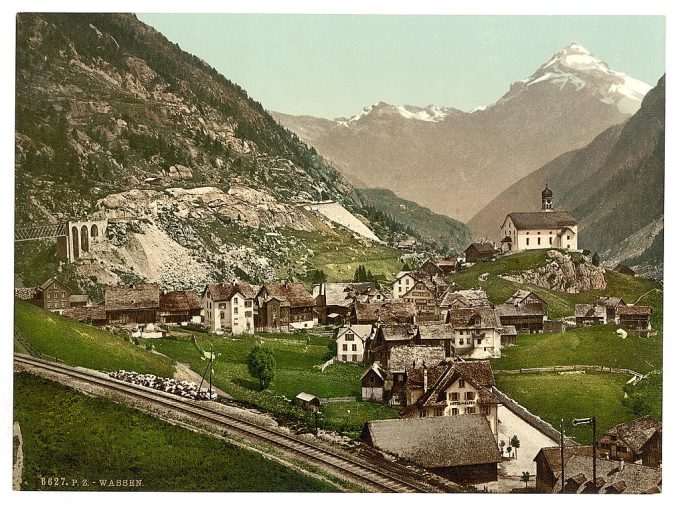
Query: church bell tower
x=546 y=199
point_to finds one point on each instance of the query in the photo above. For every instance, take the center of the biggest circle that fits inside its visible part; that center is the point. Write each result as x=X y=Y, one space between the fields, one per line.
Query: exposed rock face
x=563 y=274
x=179 y=172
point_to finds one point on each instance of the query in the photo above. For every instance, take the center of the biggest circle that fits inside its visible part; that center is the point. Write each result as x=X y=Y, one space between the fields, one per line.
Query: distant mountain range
x=455 y=162
x=614 y=187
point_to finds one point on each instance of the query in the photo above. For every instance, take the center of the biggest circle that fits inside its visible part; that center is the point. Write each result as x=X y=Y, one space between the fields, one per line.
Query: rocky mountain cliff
x=614 y=187
x=455 y=162
x=114 y=121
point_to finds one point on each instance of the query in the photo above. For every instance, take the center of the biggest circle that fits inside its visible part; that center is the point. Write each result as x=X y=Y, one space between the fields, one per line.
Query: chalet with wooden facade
x=423 y=295
x=624 y=270
x=437 y=334
x=229 y=308
x=373 y=383
x=463 y=298
x=454 y=388
x=404 y=361
x=590 y=314
x=351 y=340
x=132 y=304
x=285 y=307
x=549 y=464
x=611 y=303
x=613 y=477
x=334 y=300
x=528 y=299
x=634 y=318
x=462 y=449
x=477 y=332
x=180 y=307
x=508 y=336
x=482 y=251
x=387 y=336
x=637 y=441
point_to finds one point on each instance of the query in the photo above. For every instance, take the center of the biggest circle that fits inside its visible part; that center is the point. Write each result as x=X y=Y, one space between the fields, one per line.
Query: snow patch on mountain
x=337 y=213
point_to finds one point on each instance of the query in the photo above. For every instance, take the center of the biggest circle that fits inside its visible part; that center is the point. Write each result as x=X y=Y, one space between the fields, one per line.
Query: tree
x=526 y=476
x=514 y=441
x=501 y=444
x=509 y=450
x=318 y=276
x=596 y=259
x=261 y=364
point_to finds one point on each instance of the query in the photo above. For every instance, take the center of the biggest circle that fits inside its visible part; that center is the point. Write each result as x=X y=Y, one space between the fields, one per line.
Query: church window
x=527 y=241
x=539 y=240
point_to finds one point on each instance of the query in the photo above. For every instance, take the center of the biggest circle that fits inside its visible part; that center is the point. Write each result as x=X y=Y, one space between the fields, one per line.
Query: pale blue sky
x=334 y=65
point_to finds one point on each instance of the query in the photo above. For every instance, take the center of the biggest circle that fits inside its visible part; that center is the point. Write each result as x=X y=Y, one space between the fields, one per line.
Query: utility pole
x=591 y=422
x=211 y=369
x=562 y=451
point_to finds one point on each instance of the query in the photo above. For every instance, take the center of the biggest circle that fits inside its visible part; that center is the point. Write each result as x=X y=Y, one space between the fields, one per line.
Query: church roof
x=542 y=219
x=546 y=192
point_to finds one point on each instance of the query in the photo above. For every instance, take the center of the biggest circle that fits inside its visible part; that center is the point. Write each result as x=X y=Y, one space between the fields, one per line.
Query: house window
x=568 y=237
x=461 y=383
x=354 y=358
x=235 y=300
x=349 y=337
x=468 y=341
x=620 y=448
x=235 y=310
x=49 y=295
x=479 y=342
x=550 y=240
x=527 y=241
x=399 y=289
x=460 y=342
x=469 y=395
x=344 y=346
x=344 y=357
x=249 y=304
x=49 y=305
x=454 y=411
x=470 y=410
x=354 y=347
x=249 y=314
x=222 y=306
x=453 y=396
x=439 y=411
x=423 y=413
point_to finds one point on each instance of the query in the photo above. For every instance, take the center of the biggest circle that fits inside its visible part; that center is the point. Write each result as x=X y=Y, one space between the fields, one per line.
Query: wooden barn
x=178 y=306
x=132 y=304
x=480 y=252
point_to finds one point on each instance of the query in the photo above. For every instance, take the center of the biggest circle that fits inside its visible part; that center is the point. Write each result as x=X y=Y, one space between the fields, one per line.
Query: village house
x=431 y=268
x=508 y=336
x=285 y=307
x=405 y=280
x=533 y=230
x=549 y=465
x=482 y=251
x=387 y=312
x=334 y=300
x=373 y=384
x=351 y=340
x=636 y=441
x=132 y=304
x=613 y=477
x=590 y=314
x=51 y=295
x=462 y=449
x=447 y=266
x=436 y=334
x=401 y=361
x=634 y=318
x=80 y=301
x=308 y=402
x=610 y=303
x=180 y=307
x=229 y=308
x=525 y=298
x=477 y=332
x=451 y=389
x=387 y=336
x=463 y=298
x=424 y=296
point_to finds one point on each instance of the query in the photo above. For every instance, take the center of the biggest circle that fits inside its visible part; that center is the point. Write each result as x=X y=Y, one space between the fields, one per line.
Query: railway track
x=392 y=478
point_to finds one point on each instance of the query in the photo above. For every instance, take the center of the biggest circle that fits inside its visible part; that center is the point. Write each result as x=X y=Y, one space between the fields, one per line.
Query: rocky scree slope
x=113 y=120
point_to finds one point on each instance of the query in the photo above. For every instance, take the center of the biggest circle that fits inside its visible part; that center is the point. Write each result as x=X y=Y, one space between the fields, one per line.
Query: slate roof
x=403 y=357
x=519 y=296
x=633 y=310
x=385 y=311
x=377 y=369
x=179 y=301
x=610 y=301
x=435 y=331
x=509 y=330
x=631 y=478
x=294 y=294
x=484 y=247
x=397 y=332
x=49 y=282
x=636 y=433
x=508 y=310
x=343 y=294
x=79 y=298
x=590 y=310
x=463 y=318
x=552 y=456
x=524 y=220
x=84 y=313
x=226 y=291
x=435 y=442
x=142 y=296
x=26 y=293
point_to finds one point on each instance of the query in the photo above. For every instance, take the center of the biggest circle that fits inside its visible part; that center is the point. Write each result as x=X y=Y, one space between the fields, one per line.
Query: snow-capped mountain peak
x=574 y=65
x=429 y=113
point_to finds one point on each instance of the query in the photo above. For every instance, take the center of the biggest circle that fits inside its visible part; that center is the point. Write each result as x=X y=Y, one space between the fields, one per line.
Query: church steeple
x=546 y=199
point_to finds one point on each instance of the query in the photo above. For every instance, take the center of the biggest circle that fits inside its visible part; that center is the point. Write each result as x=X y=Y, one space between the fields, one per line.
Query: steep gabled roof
x=435 y=331
x=397 y=332
x=226 y=291
x=633 y=310
x=363 y=331
x=508 y=310
x=636 y=433
x=385 y=311
x=49 y=282
x=435 y=442
x=615 y=476
x=482 y=248
x=294 y=294
x=610 y=302
x=520 y=295
x=553 y=459
x=403 y=357
x=468 y=298
x=462 y=318
x=525 y=220
x=179 y=301
x=590 y=310
x=143 y=296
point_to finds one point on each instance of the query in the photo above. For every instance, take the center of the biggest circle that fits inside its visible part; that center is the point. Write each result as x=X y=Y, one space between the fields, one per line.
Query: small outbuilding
x=480 y=252
x=308 y=402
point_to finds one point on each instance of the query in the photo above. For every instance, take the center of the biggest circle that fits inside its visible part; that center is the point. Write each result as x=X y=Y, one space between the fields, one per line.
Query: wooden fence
x=573 y=367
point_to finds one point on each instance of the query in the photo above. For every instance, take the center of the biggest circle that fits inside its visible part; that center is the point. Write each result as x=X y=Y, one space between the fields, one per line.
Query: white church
x=533 y=230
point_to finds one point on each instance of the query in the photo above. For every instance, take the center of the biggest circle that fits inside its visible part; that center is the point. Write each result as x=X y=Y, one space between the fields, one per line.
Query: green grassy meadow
x=552 y=396
x=77 y=437
x=79 y=344
x=297 y=359
x=594 y=345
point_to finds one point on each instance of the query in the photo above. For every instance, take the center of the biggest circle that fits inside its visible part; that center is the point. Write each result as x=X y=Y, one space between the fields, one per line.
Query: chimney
x=622 y=465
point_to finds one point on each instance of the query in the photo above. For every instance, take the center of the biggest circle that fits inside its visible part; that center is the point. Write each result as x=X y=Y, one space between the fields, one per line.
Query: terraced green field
x=77 y=437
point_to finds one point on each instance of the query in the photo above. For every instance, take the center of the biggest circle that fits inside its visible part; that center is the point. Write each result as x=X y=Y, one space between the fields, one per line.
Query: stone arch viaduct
x=74 y=239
